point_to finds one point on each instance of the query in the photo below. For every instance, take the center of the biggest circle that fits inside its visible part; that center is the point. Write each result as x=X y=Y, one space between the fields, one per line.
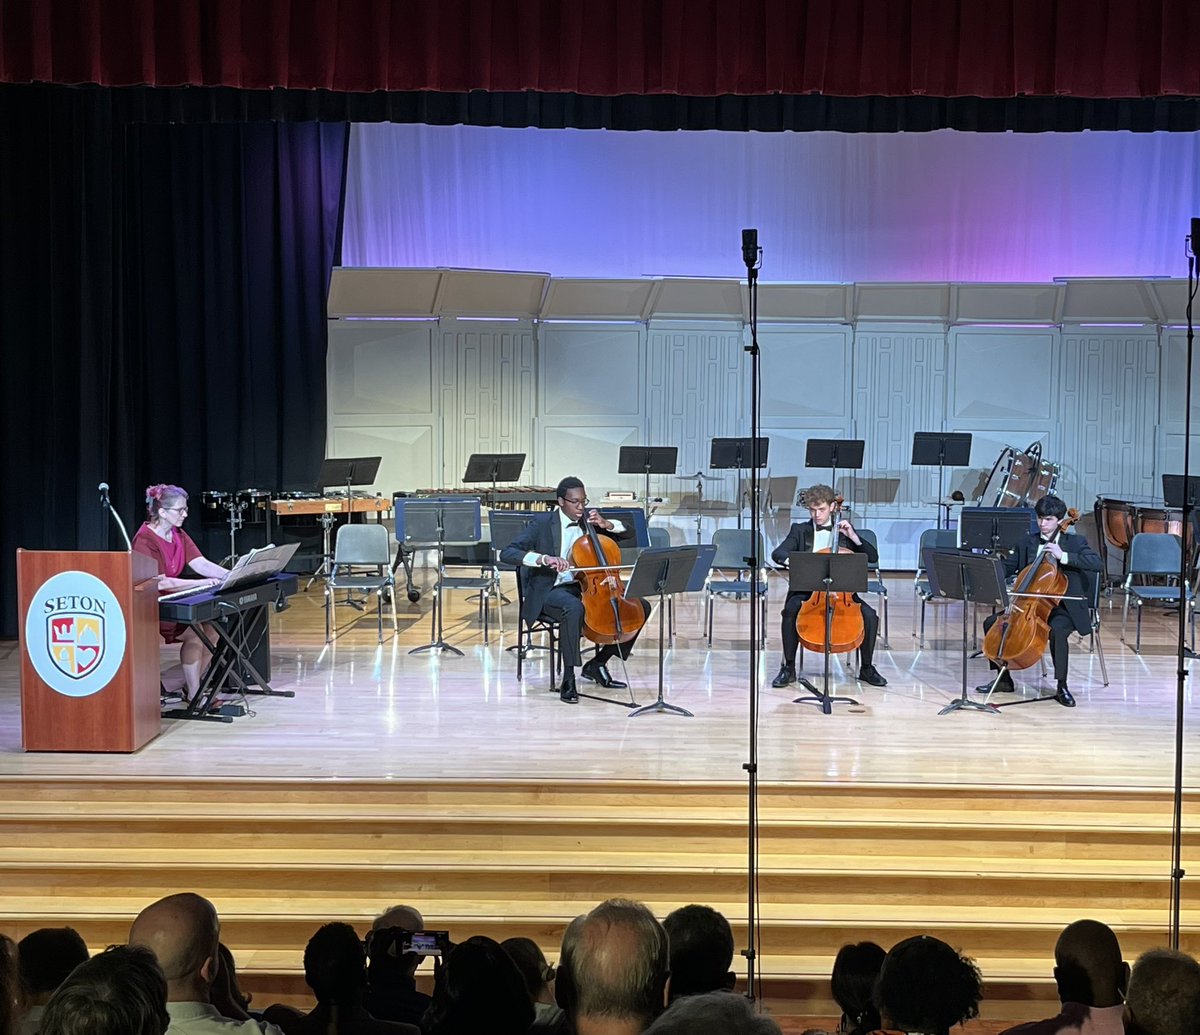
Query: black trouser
x=563 y=605
x=791 y=639
x=1061 y=628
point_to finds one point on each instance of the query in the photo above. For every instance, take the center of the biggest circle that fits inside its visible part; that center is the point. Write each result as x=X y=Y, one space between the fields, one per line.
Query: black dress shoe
x=597 y=672
x=566 y=689
x=870 y=674
x=1064 y=697
x=1005 y=686
x=787 y=674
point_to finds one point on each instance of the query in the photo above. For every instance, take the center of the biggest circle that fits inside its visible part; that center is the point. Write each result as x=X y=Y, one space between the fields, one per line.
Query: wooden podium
x=89 y=650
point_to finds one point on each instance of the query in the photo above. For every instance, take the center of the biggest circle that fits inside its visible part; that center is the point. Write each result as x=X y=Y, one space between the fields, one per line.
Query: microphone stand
x=752 y=256
x=1182 y=653
x=107 y=505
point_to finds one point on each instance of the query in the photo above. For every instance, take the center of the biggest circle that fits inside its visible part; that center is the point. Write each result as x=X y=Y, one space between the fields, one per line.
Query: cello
x=608 y=617
x=845 y=621
x=1019 y=637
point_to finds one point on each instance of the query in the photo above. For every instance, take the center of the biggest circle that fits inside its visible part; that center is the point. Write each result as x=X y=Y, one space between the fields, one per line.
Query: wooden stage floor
x=362 y=711
x=442 y=780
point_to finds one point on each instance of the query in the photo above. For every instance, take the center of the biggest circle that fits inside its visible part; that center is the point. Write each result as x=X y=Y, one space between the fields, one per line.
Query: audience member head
x=226 y=993
x=120 y=991
x=535 y=971
x=10 y=984
x=478 y=988
x=387 y=961
x=1164 y=994
x=1088 y=965
x=925 y=986
x=855 y=972
x=613 y=969
x=701 y=951
x=183 y=933
x=45 y=957
x=335 y=965
x=712 y=1013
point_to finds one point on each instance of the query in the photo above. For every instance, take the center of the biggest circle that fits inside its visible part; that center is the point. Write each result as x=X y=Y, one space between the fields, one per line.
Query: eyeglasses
x=182 y=510
x=577 y=502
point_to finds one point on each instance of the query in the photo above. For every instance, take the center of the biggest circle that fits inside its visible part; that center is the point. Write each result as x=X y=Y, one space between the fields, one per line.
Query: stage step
x=996 y=872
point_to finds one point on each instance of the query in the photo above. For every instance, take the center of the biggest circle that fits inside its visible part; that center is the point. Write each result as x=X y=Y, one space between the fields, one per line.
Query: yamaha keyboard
x=207 y=606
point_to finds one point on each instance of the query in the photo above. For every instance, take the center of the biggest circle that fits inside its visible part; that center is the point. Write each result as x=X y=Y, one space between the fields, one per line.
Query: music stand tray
x=347 y=471
x=648 y=460
x=1179 y=493
x=826 y=573
x=662 y=572
x=494 y=467
x=737 y=453
x=969 y=577
x=941 y=449
x=846 y=453
x=996 y=529
x=436 y=522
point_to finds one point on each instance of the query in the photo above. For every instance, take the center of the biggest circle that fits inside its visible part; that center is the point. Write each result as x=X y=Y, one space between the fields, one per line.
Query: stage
x=443 y=781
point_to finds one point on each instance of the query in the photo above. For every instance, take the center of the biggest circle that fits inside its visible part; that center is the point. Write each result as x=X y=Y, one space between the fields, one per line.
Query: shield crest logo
x=75 y=642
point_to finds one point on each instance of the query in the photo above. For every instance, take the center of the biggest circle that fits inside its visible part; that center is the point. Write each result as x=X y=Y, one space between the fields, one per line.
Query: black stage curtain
x=700 y=48
x=778 y=113
x=162 y=311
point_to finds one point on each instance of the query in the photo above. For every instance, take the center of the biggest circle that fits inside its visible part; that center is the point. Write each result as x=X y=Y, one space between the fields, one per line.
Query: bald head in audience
x=613 y=969
x=1088 y=966
x=183 y=932
x=1164 y=995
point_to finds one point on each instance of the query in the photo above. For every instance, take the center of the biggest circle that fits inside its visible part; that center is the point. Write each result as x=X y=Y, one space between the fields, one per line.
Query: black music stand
x=826 y=573
x=941 y=449
x=348 y=471
x=834 y=453
x=995 y=529
x=437 y=522
x=974 y=577
x=647 y=460
x=494 y=467
x=737 y=454
x=661 y=572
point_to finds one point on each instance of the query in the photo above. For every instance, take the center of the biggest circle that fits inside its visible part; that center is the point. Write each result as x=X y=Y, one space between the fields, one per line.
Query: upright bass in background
x=824 y=530
x=1052 y=598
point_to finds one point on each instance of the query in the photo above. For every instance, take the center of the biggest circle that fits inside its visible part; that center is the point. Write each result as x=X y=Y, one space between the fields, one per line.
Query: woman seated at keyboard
x=162 y=538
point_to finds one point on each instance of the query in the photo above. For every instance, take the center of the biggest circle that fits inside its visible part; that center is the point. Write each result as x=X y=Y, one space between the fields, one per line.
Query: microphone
x=103 y=487
x=750 y=248
x=1195 y=236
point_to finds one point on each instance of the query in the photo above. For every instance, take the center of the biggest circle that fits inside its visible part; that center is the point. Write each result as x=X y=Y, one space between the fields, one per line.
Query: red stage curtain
x=849 y=48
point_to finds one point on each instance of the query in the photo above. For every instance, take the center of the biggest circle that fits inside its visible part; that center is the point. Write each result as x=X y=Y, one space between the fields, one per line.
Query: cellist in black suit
x=801 y=539
x=1075 y=558
x=540 y=553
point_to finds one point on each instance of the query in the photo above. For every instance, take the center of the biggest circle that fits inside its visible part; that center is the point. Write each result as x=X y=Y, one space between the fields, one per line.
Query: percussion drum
x=1045 y=478
x=255 y=504
x=215 y=501
x=1009 y=478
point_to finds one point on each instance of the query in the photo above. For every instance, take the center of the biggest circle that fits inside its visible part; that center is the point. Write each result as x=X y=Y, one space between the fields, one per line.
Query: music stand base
x=439 y=645
x=660 y=706
x=824 y=700
x=963 y=704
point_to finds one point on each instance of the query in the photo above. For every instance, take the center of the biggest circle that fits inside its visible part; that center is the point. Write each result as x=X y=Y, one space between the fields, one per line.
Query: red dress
x=171 y=558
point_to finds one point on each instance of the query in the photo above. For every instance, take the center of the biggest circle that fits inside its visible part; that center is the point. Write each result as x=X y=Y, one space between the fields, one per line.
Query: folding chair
x=361 y=546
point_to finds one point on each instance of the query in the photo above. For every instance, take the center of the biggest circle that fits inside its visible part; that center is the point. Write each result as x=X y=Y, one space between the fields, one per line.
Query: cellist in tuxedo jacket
x=810 y=536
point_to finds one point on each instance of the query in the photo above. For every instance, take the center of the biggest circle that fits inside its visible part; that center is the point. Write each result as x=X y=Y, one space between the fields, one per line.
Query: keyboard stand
x=229 y=658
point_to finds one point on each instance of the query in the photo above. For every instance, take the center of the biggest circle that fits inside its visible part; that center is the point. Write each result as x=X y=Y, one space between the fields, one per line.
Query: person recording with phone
x=392 y=966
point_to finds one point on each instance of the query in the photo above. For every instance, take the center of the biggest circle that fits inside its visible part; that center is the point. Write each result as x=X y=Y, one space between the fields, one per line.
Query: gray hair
x=713 y=1013
x=614 y=962
x=1164 y=994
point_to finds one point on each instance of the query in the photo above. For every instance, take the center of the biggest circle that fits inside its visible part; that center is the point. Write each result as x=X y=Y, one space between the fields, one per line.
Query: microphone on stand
x=750 y=248
x=107 y=505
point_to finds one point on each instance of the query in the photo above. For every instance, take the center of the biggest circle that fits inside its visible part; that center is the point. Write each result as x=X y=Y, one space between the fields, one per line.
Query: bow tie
x=824 y=528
